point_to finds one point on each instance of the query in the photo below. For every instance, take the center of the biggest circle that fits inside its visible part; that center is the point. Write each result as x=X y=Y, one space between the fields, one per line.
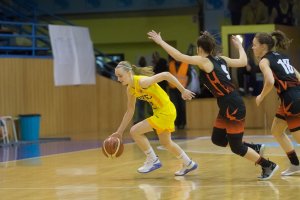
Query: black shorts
x=289 y=108
x=232 y=113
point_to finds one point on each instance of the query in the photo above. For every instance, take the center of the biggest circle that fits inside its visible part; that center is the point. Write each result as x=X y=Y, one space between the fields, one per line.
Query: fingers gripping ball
x=112 y=147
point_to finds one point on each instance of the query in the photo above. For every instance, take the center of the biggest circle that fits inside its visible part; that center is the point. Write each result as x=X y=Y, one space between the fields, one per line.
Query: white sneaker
x=293 y=169
x=186 y=169
x=149 y=166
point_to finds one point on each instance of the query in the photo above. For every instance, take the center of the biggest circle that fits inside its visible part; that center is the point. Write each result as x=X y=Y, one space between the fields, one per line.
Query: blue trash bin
x=30 y=127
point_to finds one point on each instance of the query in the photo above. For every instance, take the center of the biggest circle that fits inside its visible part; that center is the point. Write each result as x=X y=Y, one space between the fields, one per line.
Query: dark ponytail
x=281 y=40
x=275 y=39
x=208 y=43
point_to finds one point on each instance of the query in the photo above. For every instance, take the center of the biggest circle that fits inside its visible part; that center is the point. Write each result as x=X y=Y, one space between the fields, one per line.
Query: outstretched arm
x=127 y=116
x=264 y=66
x=242 y=60
x=177 y=55
x=147 y=81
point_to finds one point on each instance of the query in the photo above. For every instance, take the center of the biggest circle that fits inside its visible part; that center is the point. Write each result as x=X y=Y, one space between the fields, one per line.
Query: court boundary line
x=182 y=141
x=156 y=186
x=178 y=141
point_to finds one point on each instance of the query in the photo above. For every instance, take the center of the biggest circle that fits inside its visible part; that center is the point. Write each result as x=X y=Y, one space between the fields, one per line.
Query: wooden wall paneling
x=254 y=115
x=81 y=108
x=103 y=102
x=61 y=115
x=11 y=90
x=201 y=113
x=269 y=107
x=27 y=86
x=112 y=100
x=38 y=90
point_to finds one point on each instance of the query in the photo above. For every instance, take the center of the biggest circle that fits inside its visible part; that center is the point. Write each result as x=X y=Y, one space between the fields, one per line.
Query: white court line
x=154 y=186
x=219 y=152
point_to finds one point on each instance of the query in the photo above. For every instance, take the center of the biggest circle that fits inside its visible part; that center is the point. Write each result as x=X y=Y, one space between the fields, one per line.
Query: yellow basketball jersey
x=154 y=94
x=164 y=112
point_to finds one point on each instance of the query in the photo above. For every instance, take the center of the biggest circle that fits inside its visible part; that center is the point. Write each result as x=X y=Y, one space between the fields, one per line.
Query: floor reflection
x=180 y=187
x=33 y=150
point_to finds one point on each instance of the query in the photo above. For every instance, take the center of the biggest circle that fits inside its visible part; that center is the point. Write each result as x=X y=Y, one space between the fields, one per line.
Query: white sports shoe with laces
x=186 y=169
x=149 y=166
x=293 y=169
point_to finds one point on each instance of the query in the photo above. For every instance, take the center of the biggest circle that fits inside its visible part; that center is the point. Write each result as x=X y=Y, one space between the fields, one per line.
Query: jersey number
x=285 y=63
x=224 y=68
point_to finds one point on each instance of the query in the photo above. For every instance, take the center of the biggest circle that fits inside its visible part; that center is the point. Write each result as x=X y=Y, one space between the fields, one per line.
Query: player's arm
x=242 y=60
x=166 y=76
x=128 y=114
x=297 y=74
x=177 y=55
x=264 y=66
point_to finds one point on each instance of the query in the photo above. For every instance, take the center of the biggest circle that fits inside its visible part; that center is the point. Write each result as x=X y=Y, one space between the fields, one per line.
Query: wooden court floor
x=88 y=175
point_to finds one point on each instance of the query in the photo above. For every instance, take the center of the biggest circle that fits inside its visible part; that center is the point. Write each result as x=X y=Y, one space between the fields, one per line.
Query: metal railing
x=25 y=33
x=22 y=38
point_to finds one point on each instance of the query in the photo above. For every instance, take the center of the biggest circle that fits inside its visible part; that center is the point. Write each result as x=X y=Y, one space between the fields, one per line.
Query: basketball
x=112 y=147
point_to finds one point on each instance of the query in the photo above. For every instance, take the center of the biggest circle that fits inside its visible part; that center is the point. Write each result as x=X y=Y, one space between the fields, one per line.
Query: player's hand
x=155 y=36
x=118 y=135
x=248 y=68
x=187 y=94
x=236 y=42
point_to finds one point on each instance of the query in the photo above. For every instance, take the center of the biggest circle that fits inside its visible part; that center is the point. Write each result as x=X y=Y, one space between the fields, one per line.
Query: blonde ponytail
x=146 y=71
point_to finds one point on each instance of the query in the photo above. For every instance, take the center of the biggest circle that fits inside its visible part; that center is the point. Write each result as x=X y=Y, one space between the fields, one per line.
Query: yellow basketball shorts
x=163 y=119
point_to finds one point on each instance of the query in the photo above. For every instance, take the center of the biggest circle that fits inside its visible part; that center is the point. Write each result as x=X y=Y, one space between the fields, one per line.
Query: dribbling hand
x=118 y=135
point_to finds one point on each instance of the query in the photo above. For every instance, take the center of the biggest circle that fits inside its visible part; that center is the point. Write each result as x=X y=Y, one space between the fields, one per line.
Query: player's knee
x=219 y=141
x=296 y=136
x=239 y=149
x=219 y=137
x=133 y=131
x=278 y=128
x=276 y=133
x=166 y=144
x=236 y=144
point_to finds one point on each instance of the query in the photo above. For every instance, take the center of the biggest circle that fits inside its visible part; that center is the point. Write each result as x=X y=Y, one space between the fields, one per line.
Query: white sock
x=184 y=158
x=151 y=154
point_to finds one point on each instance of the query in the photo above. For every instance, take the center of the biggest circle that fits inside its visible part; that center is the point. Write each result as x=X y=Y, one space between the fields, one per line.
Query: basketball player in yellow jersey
x=164 y=114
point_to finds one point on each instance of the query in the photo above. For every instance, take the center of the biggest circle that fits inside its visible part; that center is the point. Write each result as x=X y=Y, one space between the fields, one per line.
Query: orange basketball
x=112 y=147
